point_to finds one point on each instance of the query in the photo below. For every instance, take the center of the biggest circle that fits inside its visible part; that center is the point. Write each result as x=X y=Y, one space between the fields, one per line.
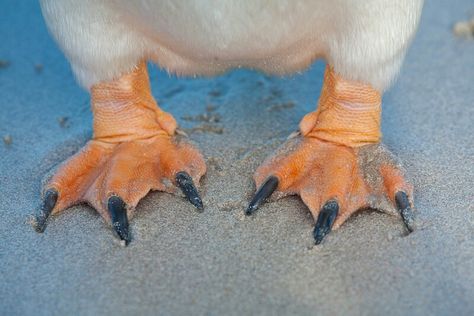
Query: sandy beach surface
x=221 y=262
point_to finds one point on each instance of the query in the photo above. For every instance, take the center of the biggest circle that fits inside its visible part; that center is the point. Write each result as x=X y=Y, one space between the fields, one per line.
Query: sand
x=221 y=262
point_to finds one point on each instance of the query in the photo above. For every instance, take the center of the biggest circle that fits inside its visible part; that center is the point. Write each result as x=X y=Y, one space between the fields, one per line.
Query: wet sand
x=221 y=262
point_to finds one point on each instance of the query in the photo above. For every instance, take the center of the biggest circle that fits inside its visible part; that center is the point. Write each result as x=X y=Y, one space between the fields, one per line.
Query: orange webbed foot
x=113 y=178
x=135 y=149
x=335 y=181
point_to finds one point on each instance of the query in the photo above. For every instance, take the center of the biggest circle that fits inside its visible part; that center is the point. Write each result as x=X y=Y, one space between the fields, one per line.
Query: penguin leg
x=337 y=164
x=134 y=150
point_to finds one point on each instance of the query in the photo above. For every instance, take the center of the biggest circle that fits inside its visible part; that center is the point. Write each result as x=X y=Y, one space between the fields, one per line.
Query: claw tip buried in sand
x=118 y=213
x=186 y=184
x=49 y=202
x=38 y=224
x=326 y=218
x=267 y=188
x=405 y=209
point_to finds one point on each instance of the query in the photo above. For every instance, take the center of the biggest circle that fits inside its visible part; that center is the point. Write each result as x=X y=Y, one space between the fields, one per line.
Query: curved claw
x=326 y=218
x=186 y=184
x=49 y=201
x=118 y=214
x=267 y=188
x=403 y=205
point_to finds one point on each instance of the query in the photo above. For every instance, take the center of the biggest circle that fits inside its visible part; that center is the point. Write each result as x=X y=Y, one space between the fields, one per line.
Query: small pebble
x=38 y=68
x=4 y=63
x=210 y=108
x=7 y=139
x=464 y=29
x=214 y=93
x=389 y=236
x=62 y=120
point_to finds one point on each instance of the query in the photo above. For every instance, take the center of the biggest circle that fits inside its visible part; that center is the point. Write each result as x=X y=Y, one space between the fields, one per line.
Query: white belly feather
x=228 y=30
x=363 y=40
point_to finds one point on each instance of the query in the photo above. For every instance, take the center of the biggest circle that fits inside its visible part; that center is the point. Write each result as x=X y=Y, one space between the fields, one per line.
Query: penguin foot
x=335 y=181
x=113 y=177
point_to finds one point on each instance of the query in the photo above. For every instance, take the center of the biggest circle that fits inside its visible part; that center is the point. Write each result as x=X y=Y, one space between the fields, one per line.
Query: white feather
x=362 y=40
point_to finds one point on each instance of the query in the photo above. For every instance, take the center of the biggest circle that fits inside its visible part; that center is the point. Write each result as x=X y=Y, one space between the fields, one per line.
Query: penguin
x=335 y=162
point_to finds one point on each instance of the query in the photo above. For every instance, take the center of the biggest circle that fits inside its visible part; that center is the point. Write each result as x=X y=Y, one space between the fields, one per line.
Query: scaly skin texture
x=337 y=165
x=133 y=150
x=338 y=156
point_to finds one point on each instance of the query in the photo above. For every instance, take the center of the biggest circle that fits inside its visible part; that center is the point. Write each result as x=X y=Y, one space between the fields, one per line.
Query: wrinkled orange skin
x=132 y=151
x=324 y=164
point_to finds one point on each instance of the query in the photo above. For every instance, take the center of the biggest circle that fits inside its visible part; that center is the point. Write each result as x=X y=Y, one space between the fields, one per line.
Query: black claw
x=262 y=194
x=118 y=213
x=404 y=207
x=325 y=220
x=49 y=201
x=186 y=184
